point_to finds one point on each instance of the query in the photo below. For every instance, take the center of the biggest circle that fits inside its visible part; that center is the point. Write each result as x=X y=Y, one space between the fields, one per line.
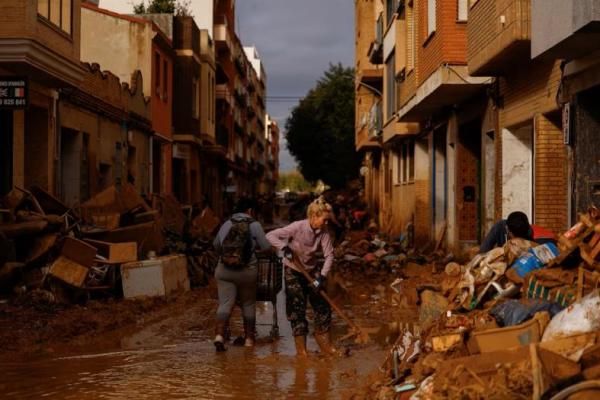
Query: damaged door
x=468 y=196
x=587 y=151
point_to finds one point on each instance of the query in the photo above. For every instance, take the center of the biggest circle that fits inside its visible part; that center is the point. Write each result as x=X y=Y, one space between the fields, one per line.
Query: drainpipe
x=57 y=143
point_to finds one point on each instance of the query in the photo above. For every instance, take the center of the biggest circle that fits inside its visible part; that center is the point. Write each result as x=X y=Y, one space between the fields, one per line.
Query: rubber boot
x=300 y=342
x=220 y=330
x=325 y=344
x=249 y=334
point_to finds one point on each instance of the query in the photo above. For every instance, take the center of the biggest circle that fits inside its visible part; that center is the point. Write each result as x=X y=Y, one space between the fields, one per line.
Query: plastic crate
x=270 y=278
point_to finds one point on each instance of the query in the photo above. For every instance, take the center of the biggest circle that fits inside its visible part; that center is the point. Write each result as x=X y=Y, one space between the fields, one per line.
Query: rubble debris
x=521 y=321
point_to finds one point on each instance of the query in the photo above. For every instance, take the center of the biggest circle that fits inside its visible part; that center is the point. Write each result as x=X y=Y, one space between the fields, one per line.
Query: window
x=431 y=16
x=463 y=10
x=58 y=12
x=157 y=74
x=196 y=98
x=165 y=82
x=405 y=163
x=390 y=70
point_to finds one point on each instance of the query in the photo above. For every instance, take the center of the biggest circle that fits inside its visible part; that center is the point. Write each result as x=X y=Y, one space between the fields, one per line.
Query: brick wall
x=551 y=205
x=447 y=44
x=529 y=94
x=422 y=210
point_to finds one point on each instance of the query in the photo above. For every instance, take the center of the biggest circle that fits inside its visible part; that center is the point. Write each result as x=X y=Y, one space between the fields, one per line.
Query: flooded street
x=174 y=359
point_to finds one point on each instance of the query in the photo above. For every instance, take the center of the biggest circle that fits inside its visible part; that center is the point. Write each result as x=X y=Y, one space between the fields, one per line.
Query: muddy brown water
x=175 y=359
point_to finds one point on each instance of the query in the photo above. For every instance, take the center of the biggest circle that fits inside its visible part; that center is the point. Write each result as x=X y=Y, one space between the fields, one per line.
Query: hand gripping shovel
x=361 y=335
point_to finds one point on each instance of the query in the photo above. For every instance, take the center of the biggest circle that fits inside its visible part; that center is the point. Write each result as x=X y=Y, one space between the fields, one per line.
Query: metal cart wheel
x=274 y=334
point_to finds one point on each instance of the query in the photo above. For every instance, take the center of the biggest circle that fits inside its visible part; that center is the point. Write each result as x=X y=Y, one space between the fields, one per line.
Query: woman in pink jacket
x=303 y=239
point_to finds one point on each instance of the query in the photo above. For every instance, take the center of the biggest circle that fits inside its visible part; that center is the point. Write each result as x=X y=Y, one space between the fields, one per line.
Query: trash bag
x=580 y=317
x=514 y=312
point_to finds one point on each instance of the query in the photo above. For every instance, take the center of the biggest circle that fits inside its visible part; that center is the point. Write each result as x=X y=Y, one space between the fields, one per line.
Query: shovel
x=361 y=335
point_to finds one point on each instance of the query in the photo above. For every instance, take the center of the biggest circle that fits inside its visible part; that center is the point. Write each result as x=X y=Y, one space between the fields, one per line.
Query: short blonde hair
x=318 y=207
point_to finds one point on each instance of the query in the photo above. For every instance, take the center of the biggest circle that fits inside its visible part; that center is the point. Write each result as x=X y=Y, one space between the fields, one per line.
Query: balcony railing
x=375 y=52
x=499 y=34
x=376 y=120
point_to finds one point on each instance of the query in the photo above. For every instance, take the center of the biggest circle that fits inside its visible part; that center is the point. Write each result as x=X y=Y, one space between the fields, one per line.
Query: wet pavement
x=175 y=359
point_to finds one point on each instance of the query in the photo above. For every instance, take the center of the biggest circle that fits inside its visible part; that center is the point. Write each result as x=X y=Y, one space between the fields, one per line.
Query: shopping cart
x=270 y=282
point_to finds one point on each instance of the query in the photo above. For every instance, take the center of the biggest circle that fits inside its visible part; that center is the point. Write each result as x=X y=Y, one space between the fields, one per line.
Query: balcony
x=448 y=85
x=223 y=40
x=372 y=77
x=375 y=124
x=31 y=45
x=564 y=29
x=499 y=34
x=375 y=52
x=222 y=93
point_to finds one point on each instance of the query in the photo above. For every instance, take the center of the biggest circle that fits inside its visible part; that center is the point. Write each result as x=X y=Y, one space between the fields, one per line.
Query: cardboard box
x=510 y=336
x=69 y=271
x=116 y=253
x=79 y=251
x=158 y=277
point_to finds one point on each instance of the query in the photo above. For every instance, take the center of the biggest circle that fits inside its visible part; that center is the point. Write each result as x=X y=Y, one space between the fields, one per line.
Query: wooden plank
x=595 y=250
x=536 y=373
x=69 y=271
x=14 y=230
x=580 y=283
x=79 y=251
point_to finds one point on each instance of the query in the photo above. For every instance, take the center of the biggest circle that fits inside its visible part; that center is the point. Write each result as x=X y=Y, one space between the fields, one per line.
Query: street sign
x=14 y=92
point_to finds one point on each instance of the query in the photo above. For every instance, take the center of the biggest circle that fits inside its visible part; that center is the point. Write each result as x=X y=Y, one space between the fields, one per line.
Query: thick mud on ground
x=172 y=357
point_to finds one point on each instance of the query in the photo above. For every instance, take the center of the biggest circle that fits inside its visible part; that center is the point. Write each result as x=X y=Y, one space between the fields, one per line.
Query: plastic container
x=511 y=336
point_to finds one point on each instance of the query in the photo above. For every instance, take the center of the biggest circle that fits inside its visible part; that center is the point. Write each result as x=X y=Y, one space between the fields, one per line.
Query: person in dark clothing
x=237 y=283
x=515 y=226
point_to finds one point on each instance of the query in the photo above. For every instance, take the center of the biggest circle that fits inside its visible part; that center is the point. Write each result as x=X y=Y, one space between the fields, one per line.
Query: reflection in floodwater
x=156 y=364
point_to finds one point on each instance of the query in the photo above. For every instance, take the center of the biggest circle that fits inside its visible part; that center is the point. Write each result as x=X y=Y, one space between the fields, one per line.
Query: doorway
x=6 y=152
x=468 y=190
x=439 y=179
x=517 y=170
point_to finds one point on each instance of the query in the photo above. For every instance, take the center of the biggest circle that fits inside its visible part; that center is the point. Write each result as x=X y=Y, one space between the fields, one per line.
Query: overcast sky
x=296 y=39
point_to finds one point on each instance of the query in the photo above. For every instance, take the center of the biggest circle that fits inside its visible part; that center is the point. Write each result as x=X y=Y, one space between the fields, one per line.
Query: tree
x=177 y=7
x=320 y=130
x=293 y=181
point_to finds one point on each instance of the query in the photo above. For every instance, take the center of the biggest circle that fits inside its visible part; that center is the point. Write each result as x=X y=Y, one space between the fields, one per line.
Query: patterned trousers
x=297 y=291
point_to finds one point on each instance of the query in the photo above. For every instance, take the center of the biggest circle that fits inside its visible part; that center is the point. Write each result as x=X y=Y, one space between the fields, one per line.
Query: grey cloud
x=297 y=39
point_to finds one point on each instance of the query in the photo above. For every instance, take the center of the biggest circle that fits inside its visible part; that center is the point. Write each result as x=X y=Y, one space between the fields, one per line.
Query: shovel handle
x=298 y=267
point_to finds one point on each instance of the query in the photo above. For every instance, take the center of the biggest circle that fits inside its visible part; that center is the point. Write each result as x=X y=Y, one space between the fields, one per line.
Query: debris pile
x=96 y=248
x=521 y=321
